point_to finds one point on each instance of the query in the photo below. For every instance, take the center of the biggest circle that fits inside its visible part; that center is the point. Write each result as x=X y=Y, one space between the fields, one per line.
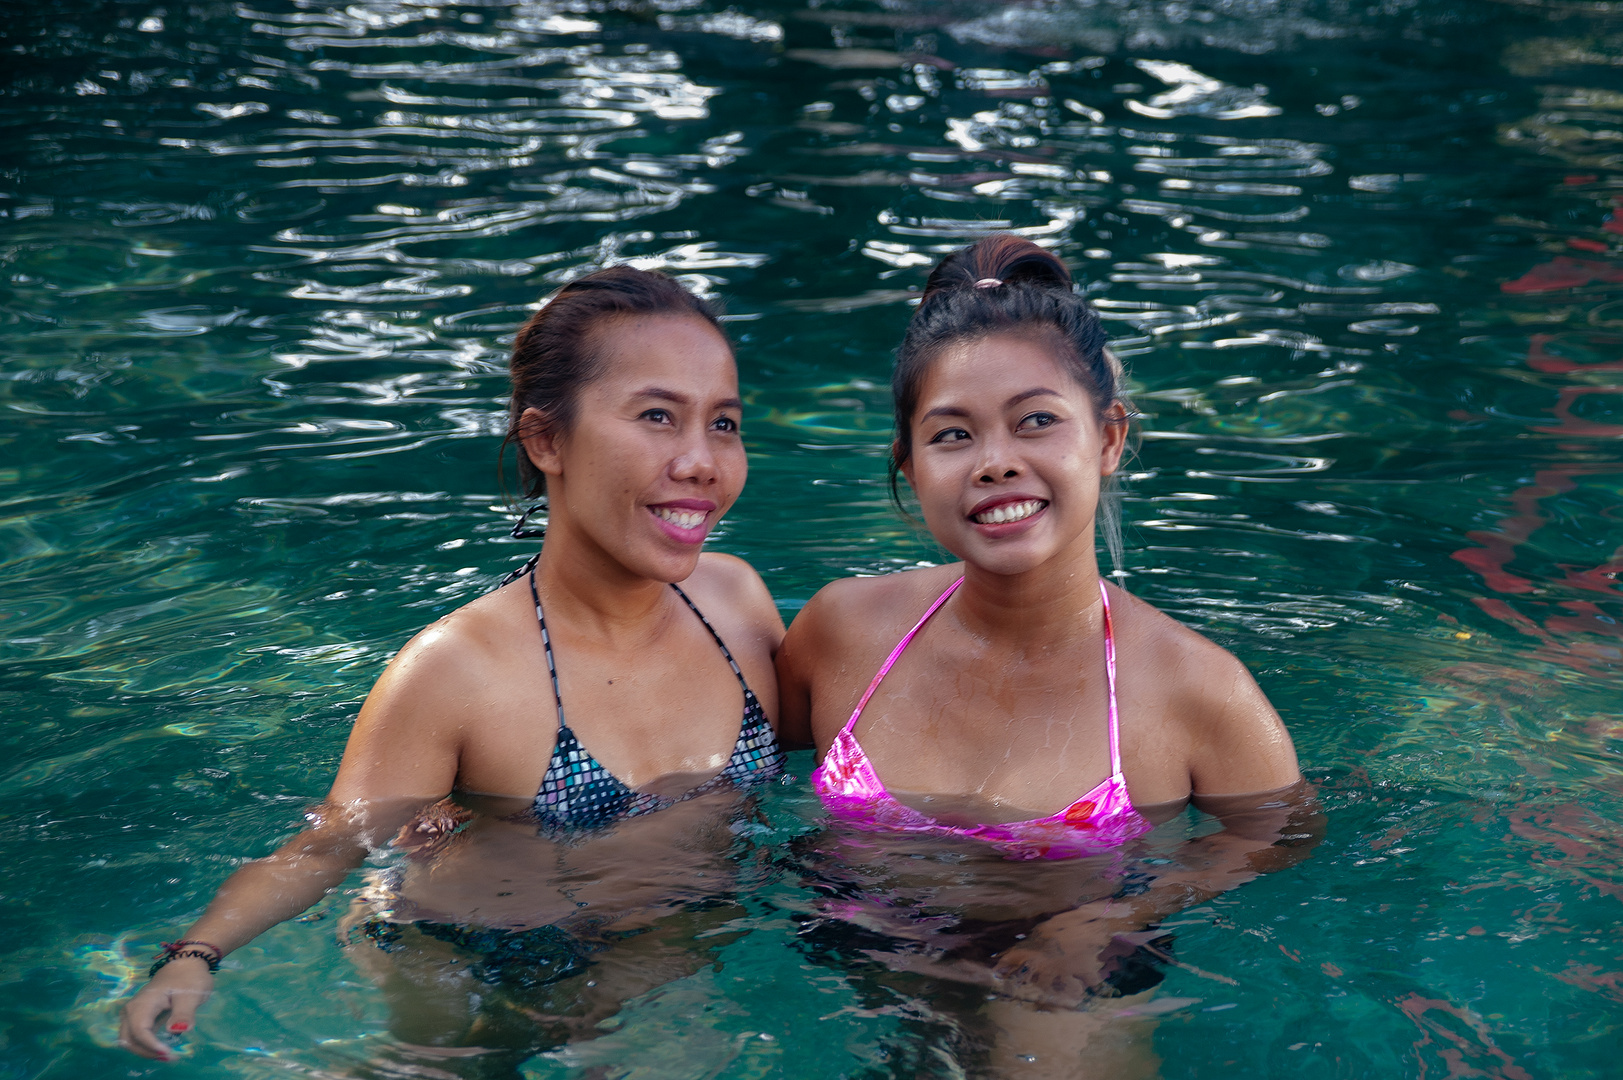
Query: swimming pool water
x=259 y=262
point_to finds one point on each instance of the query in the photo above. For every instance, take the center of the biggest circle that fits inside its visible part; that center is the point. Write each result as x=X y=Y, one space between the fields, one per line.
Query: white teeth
x=682 y=519
x=1008 y=512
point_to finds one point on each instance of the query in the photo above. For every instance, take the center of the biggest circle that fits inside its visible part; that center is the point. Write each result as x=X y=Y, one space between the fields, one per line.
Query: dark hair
x=1003 y=284
x=556 y=354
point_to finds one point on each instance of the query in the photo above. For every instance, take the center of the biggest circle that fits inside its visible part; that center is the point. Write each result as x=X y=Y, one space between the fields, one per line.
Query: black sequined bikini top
x=578 y=793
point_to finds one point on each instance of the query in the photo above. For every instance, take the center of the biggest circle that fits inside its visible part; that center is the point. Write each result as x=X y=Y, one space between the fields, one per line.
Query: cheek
x=621 y=466
x=938 y=485
x=735 y=468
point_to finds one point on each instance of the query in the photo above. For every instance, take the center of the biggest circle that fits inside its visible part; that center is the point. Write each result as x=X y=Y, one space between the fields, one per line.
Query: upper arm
x=405 y=743
x=821 y=638
x=795 y=677
x=1239 y=745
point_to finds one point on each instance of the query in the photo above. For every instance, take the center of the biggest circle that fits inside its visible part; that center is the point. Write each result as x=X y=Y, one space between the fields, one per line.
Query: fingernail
x=180 y=1027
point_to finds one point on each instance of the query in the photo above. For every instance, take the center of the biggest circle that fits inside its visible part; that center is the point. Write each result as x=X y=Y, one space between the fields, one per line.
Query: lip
x=692 y=536
x=1006 y=528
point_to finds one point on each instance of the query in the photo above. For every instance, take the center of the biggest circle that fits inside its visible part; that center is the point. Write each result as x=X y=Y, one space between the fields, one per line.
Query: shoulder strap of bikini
x=1110 y=683
x=724 y=650
x=546 y=644
x=896 y=653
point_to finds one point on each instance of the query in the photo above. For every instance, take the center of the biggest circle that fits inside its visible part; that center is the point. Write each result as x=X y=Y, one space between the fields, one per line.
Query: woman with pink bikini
x=1012 y=708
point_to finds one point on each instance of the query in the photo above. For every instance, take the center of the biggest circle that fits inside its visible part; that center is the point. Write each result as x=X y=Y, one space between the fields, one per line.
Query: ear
x=1114 y=437
x=906 y=470
x=540 y=442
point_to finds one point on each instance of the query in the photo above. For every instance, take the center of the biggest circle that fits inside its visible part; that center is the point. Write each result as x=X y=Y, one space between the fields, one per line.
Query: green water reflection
x=260 y=262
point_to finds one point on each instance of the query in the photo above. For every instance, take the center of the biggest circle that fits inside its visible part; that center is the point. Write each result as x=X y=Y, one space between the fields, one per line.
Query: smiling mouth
x=1002 y=515
x=682 y=519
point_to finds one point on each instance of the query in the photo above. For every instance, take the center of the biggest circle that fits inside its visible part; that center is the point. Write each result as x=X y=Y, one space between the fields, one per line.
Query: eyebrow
x=1035 y=391
x=954 y=410
x=676 y=397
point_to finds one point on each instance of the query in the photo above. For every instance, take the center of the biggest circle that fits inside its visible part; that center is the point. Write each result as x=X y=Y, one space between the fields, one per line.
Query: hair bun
x=996 y=260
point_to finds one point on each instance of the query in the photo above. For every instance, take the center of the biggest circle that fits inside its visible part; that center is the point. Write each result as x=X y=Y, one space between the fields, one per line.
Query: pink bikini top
x=1102 y=819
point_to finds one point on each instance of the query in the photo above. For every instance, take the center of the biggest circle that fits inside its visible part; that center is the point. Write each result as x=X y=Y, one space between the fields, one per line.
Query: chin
x=1005 y=564
x=669 y=566
x=1006 y=560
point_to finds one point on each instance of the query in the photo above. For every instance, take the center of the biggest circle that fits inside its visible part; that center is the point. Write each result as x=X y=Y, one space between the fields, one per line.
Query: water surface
x=261 y=262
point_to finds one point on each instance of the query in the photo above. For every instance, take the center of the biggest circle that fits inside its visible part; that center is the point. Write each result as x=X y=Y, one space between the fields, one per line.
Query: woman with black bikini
x=596 y=719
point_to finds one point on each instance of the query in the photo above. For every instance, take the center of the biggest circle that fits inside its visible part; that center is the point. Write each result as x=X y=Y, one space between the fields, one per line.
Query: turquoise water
x=260 y=264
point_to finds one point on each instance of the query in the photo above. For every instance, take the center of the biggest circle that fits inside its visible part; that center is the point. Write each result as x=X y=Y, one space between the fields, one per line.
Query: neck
x=585 y=587
x=1048 y=605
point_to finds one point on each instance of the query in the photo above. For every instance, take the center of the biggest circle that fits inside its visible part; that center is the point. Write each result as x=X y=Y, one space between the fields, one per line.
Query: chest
x=1011 y=738
x=1019 y=734
x=651 y=716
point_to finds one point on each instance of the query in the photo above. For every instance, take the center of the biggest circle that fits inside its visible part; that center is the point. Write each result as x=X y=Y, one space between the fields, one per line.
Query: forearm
x=1205 y=868
x=252 y=900
x=269 y=891
x=263 y=894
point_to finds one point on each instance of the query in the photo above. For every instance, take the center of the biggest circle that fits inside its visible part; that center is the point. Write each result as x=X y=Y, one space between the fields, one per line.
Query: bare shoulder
x=736 y=603
x=414 y=724
x=851 y=620
x=734 y=584
x=1148 y=636
x=458 y=649
x=855 y=609
x=1235 y=740
x=840 y=636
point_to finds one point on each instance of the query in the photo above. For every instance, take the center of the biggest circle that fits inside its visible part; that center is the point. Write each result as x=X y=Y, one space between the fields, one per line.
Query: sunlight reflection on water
x=263 y=262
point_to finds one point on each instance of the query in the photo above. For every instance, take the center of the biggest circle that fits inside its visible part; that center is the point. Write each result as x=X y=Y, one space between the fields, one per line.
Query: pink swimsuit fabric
x=1101 y=820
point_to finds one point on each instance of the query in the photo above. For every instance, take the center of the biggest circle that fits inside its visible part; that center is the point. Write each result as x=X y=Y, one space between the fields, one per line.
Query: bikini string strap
x=546 y=644
x=895 y=654
x=723 y=645
x=1110 y=683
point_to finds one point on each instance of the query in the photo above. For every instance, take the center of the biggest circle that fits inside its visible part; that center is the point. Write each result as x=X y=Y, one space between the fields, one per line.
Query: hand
x=178 y=988
x=1036 y=970
x=1059 y=965
x=1055 y=969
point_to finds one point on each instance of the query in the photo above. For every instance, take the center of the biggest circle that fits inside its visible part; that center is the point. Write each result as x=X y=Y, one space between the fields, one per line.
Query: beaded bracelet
x=173 y=950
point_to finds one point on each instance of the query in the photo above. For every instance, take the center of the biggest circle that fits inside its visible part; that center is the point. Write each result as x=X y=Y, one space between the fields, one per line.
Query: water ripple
x=261 y=265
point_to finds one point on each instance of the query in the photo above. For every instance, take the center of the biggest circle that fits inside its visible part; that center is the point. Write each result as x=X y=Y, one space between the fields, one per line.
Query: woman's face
x=1008 y=454
x=654 y=457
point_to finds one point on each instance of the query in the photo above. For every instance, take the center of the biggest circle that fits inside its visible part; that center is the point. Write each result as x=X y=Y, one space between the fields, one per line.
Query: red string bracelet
x=174 y=950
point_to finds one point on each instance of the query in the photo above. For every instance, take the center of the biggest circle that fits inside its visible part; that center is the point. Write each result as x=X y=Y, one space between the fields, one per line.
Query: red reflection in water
x=1576 y=633
x=1564 y=272
x=1570 y=839
x=1591 y=977
x=1460 y=1038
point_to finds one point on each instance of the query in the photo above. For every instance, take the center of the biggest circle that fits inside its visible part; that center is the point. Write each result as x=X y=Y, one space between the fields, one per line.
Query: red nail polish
x=180 y=1027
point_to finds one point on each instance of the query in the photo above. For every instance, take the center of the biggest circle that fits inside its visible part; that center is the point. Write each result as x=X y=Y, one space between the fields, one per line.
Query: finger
x=135 y=1033
x=1010 y=965
x=183 y=1009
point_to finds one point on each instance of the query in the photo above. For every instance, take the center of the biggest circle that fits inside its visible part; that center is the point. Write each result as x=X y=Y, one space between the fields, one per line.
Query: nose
x=696 y=461
x=998 y=461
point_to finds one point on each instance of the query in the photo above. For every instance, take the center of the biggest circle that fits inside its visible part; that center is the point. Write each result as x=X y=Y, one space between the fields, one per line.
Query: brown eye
x=658 y=416
x=1037 y=420
x=950 y=435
